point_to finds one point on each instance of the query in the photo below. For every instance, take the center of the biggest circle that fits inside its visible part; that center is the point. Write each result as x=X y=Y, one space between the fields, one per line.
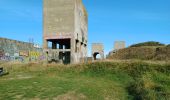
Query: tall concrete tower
x=65 y=26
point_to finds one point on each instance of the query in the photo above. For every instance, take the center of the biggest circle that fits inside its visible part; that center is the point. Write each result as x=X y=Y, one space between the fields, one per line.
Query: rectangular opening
x=59 y=43
x=49 y=44
x=65 y=57
x=62 y=48
x=76 y=46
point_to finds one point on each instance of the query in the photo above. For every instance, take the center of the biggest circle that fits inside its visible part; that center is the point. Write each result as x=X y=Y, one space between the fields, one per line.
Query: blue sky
x=132 y=21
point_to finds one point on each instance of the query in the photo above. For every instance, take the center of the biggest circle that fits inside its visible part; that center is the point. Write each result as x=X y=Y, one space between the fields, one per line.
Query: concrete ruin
x=119 y=45
x=97 y=48
x=13 y=50
x=65 y=30
x=12 y=47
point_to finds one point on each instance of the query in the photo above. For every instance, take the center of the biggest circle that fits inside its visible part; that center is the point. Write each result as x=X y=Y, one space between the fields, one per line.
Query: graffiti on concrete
x=5 y=58
x=1 y=53
x=23 y=56
x=23 y=53
x=13 y=50
x=34 y=55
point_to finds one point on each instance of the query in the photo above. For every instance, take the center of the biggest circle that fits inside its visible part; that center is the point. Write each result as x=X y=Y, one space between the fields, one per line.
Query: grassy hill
x=143 y=51
x=118 y=80
x=149 y=43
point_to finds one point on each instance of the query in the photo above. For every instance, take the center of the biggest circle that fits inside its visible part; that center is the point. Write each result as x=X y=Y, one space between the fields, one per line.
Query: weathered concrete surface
x=59 y=17
x=65 y=26
x=97 y=48
x=12 y=50
x=119 y=45
x=10 y=47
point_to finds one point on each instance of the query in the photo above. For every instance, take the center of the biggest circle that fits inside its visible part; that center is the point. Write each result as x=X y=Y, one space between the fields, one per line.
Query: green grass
x=125 y=80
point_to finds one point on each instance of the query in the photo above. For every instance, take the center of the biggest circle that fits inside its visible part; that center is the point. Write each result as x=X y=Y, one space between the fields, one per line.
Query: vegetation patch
x=143 y=51
x=122 y=80
x=149 y=43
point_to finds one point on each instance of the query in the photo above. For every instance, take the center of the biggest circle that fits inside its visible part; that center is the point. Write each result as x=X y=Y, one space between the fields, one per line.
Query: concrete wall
x=12 y=46
x=58 y=17
x=13 y=50
x=81 y=30
x=81 y=22
x=97 y=48
x=119 y=45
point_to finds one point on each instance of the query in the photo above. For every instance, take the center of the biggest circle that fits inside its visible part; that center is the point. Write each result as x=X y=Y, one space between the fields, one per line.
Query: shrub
x=150 y=43
x=168 y=45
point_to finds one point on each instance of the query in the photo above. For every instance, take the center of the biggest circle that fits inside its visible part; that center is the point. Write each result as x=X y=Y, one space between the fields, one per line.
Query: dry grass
x=143 y=53
x=106 y=80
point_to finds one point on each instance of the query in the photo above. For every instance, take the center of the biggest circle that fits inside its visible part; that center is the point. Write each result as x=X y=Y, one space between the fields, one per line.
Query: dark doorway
x=96 y=56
